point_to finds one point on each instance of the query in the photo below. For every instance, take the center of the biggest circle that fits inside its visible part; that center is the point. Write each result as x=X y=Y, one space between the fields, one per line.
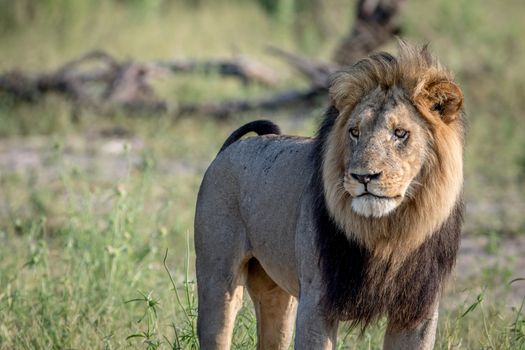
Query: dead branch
x=242 y=67
x=99 y=81
x=68 y=80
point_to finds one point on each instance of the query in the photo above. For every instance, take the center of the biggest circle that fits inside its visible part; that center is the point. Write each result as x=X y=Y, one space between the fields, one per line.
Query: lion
x=360 y=222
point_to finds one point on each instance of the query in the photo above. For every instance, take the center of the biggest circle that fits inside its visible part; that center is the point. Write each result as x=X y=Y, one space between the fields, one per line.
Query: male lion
x=361 y=221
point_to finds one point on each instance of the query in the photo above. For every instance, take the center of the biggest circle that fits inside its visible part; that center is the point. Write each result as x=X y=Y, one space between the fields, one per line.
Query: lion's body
x=287 y=218
x=265 y=158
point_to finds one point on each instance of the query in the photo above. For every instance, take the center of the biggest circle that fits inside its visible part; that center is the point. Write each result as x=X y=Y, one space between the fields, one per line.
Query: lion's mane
x=393 y=265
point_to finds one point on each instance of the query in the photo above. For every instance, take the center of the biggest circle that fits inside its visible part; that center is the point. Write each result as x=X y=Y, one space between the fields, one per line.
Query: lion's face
x=392 y=143
x=387 y=142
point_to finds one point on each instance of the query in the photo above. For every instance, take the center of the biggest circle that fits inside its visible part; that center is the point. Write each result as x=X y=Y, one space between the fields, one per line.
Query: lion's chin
x=370 y=206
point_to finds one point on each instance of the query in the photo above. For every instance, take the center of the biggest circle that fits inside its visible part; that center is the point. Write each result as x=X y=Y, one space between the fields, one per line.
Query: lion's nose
x=366 y=178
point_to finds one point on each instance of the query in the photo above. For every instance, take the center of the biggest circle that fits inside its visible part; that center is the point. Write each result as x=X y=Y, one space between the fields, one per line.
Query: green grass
x=85 y=226
x=114 y=274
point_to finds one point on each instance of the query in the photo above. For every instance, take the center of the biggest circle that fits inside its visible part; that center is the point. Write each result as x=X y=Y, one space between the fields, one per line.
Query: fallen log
x=124 y=84
x=241 y=67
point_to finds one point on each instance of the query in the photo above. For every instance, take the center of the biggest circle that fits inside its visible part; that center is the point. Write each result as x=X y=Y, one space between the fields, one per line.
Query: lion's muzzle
x=369 y=196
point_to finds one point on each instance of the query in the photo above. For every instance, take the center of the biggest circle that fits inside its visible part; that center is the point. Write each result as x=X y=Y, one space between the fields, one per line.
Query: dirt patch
x=103 y=158
x=494 y=263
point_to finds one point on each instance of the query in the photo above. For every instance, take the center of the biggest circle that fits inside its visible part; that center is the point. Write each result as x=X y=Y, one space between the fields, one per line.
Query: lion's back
x=268 y=169
x=262 y=170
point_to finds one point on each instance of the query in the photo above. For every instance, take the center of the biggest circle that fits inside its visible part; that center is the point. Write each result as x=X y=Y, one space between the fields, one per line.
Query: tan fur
x=274 y=308
x=426 y=83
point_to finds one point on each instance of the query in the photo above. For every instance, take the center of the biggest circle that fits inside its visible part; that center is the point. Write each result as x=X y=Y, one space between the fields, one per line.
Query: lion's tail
x=260 y=127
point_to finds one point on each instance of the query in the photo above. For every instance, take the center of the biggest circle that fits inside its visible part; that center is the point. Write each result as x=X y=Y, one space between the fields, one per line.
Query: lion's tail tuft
x=260 y=127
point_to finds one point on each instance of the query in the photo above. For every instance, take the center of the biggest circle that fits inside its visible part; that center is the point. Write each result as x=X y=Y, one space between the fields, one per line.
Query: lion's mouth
x=369 y=204
x=376 y=196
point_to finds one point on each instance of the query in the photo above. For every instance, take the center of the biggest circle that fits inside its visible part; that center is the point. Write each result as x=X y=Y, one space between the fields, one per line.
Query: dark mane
x=360 y=288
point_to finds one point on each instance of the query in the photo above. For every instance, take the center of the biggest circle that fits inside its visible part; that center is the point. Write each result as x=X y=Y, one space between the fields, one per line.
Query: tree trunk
x=377 y=21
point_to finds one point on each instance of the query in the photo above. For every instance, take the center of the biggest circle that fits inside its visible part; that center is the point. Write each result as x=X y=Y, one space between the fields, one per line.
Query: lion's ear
x=443 y=98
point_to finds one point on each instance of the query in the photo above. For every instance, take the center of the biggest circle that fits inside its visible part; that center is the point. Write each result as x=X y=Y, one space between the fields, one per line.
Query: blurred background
x=111 y=110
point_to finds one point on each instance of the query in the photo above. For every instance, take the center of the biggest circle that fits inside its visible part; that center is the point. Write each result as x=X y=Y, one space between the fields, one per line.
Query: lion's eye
x=400 y=133
x=354 y=132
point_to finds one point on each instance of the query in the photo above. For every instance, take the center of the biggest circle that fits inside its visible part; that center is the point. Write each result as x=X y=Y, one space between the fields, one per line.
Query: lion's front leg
x=313 y=330
x=420 y=338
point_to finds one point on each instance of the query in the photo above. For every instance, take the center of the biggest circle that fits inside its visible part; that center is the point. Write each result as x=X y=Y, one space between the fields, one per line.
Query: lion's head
x=392 y=169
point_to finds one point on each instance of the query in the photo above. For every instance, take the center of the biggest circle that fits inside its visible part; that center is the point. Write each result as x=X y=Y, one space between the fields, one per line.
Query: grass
x=96 y=245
